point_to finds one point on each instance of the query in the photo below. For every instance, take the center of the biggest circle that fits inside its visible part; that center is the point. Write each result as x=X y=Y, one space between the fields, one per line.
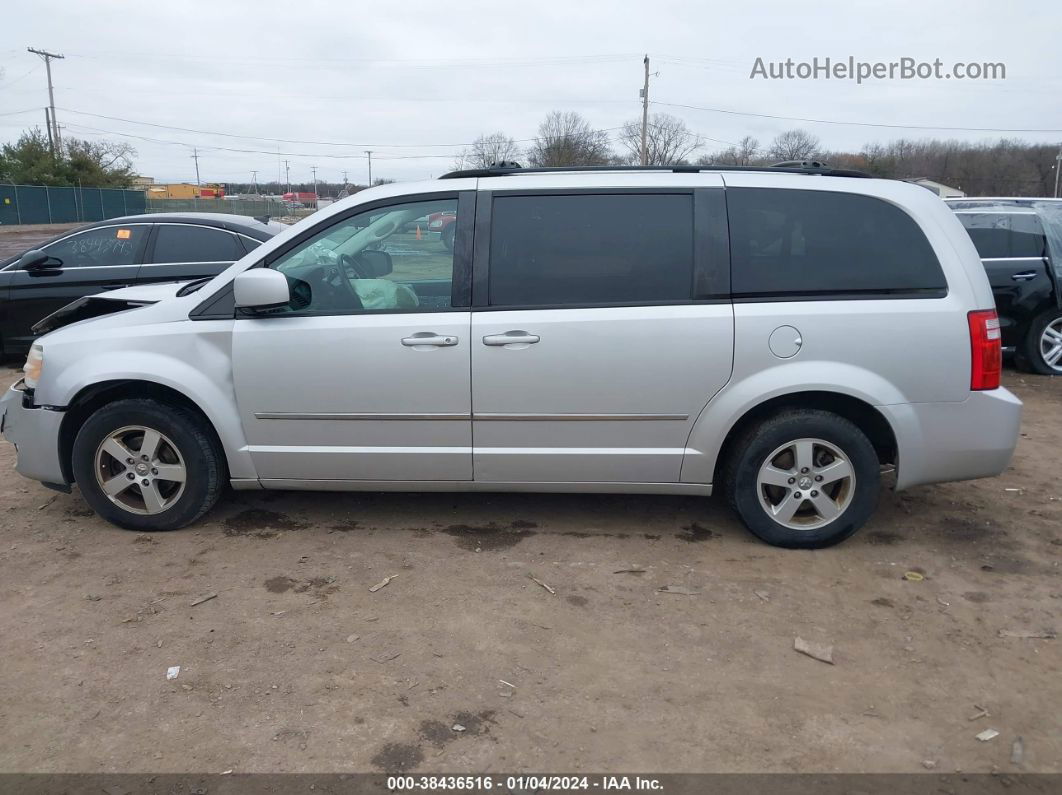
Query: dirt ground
x=296 y=665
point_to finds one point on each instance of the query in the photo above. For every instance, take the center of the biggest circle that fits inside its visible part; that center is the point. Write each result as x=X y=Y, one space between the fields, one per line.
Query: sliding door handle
x=1024 y=276
x=511 y=338
x=429 y=338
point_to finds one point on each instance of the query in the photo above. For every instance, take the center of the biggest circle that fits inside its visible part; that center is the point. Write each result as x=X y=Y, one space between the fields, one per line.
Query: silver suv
x=777 y=333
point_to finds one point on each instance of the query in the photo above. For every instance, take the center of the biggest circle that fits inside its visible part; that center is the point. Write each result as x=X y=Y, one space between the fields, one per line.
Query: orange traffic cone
x=418 y=231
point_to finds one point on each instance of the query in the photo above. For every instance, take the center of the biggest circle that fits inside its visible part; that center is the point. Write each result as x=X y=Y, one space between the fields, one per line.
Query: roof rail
x=790 y=167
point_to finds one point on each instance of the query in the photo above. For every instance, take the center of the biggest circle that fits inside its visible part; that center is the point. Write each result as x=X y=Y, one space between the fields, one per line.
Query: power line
x=10 y=83
x=855 y=123
x=293 y=140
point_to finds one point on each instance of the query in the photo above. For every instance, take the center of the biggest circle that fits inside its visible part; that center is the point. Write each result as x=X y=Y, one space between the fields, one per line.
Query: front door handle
x=1024 y=276
x=115 y=286
x=511 y=338
x=429 y=338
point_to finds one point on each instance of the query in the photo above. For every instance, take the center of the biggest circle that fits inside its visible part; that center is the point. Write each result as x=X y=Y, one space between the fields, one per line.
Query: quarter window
x=803 y=242
x=108 y=245
x=586 y=249
x=393 y=259
x=189 y=243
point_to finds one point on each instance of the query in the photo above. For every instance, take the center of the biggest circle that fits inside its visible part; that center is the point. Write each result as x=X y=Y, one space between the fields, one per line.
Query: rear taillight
x=986 y=352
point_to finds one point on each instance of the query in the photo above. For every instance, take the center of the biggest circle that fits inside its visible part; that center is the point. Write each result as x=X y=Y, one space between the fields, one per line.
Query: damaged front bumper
x=34 y=430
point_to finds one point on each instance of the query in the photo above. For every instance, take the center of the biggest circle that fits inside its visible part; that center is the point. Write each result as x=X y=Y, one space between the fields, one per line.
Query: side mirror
x=261 y=288
x=36 y=260
x=376 y=263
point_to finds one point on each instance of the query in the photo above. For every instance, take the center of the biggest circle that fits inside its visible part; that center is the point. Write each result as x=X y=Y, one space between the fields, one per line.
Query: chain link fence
x=34 y=204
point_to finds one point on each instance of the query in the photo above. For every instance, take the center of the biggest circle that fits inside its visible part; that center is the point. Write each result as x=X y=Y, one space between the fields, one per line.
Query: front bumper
x=35 y=433
x=941 y=442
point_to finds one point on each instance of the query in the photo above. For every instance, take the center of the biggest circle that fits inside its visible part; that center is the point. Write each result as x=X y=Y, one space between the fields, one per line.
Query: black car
x=119 y=252
x=1020 y=243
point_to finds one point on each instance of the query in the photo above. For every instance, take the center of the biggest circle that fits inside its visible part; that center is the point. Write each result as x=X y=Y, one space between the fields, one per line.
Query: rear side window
x=804 y=242
x=1005 y=235
x=558 y=250
x=188 y=243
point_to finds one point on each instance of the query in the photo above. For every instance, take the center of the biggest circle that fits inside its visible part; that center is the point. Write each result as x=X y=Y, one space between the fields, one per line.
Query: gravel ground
x=296 y=665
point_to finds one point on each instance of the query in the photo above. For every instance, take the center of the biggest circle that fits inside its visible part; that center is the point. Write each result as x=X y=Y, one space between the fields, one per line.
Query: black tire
x=1030 y=354
x=192 y=438
x=447 y=237
x=751 y=451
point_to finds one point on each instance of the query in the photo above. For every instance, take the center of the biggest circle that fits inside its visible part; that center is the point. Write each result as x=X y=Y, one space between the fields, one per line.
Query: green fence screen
x=33 y=204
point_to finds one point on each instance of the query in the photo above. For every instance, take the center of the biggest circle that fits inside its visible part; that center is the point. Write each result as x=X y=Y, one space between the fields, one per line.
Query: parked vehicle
x=778 y=334
x=120 y=252
x=1020 y=243
x=445 y=224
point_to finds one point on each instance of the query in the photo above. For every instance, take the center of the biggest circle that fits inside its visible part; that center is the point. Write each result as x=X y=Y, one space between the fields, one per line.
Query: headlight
x=34 y=365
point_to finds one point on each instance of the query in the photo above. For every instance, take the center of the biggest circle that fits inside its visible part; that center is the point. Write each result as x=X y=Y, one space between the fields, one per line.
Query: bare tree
x=745 y=152
x=794 y=145
x=668 y=141
x=567 y=139
x=487 y=150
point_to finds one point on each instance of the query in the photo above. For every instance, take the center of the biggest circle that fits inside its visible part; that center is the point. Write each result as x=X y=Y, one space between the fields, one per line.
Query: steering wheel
x=349 y=265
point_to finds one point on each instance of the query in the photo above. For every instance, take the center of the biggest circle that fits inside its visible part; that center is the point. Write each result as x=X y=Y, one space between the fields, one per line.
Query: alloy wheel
x=140 y=470
x=806 y=484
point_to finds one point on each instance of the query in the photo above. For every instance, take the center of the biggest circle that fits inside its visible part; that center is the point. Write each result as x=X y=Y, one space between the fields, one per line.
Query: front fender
x=743 y=394
x=197 y=365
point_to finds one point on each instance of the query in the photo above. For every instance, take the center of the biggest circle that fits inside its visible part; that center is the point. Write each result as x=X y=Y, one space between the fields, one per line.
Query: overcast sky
x=414 y=80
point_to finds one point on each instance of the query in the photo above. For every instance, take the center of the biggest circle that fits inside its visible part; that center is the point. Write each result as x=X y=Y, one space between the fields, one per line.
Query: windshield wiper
x=191 y=287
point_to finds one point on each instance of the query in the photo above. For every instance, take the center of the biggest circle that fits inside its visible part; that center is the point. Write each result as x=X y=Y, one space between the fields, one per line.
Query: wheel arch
x=860 y=413
x=95 y=396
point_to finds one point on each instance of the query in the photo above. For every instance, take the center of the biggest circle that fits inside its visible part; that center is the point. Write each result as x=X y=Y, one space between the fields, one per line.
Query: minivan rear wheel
x=145 y=465
x=804 y=478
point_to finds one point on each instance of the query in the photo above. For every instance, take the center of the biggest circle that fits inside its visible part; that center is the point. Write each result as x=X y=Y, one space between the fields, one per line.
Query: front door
x=364 y=375
x=599 y=340
x=93 y=261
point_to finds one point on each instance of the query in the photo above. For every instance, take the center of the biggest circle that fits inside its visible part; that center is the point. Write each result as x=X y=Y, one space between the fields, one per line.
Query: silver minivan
x=777 y=333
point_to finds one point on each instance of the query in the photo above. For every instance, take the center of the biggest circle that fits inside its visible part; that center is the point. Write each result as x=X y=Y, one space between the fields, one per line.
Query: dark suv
x=119 y=252
x=1020 y=243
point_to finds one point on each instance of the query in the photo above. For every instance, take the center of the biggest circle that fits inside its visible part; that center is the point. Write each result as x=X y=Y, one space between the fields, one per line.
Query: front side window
x=807 y=242
x=391 y=259
x=189 y=243
x=108 y=245
x=586 y=249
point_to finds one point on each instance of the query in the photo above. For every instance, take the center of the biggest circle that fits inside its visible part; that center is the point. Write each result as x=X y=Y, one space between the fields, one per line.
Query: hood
x=107 y=303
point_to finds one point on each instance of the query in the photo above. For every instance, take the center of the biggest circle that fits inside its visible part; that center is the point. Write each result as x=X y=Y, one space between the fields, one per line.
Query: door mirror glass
x=261 y=288
x=36 y=260
x=373 y=264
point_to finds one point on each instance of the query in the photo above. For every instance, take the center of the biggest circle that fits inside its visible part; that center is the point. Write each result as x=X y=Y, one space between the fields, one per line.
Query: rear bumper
x=940 y=442
x=35 y=433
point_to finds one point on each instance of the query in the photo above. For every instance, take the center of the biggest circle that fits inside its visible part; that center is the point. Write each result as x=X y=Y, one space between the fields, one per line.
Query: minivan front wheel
x=144 y=465
x=804 y=479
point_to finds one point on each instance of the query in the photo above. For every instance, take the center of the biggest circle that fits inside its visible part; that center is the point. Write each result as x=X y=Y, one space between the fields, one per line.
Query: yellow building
x=177 y=190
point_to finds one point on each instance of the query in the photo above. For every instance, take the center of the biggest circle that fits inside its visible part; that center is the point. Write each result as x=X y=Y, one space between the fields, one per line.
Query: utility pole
x=1058 y=167
x=47 y=56
x=254 y=181
x=287 y=175
x=48 y=125
x=369 y=153
x=645 y=112
x=314 y=170
x=195 y=157
x=344 y=177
